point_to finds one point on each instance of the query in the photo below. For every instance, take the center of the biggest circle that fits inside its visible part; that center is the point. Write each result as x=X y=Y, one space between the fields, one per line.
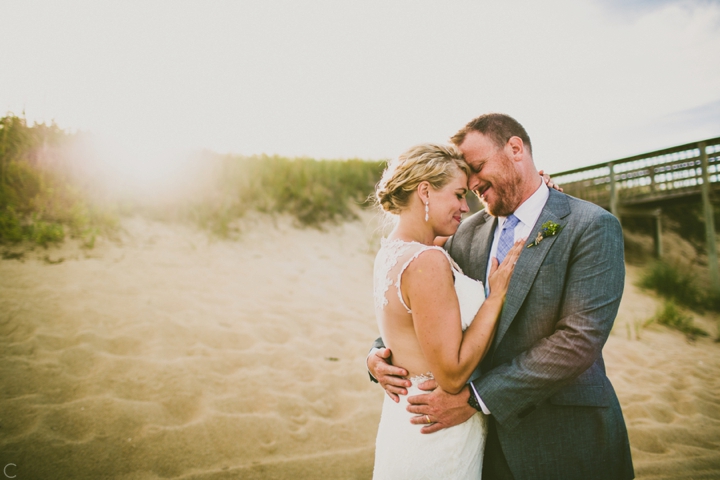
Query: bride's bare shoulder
x=429 y=264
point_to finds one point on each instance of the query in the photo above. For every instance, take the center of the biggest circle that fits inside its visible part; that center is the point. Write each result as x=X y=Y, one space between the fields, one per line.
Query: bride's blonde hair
x=428 y=162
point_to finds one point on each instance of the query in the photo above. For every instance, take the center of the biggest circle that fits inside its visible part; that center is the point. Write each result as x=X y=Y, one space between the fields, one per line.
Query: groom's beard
x=508 y=193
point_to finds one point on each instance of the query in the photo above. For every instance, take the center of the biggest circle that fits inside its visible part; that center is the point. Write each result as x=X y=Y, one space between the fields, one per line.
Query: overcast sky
x=591 y=80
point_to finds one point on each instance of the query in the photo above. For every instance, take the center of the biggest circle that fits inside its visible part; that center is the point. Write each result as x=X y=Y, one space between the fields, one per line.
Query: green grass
x=671 y=316
x=41 y=203
x=38 y=204
x=315 y=192
x=679 y=285
x=674 y=283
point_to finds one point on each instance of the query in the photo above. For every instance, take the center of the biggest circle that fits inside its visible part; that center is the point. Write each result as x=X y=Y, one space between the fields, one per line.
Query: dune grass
x=679 y=287
x=42 y=203
x=671 y=316
x=673 y=283
x=39 y=204
x=315 y=192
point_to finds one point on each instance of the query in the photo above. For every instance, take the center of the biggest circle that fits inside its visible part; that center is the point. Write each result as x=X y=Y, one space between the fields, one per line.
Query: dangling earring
x=427 y=211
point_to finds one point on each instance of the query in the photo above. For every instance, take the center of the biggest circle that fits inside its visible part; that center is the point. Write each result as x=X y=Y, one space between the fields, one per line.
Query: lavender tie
x=507 y=237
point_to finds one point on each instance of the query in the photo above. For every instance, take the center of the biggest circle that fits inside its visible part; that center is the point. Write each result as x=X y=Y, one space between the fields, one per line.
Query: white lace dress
x=401 y=451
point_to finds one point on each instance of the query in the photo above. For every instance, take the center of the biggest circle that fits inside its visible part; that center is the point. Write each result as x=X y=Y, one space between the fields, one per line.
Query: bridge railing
x=671 y=172
x=622 y=185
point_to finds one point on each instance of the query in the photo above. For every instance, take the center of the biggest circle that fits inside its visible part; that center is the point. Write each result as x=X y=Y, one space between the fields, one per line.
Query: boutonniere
x=549 y=229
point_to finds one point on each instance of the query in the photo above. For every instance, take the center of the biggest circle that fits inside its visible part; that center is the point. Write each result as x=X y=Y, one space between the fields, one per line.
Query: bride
x=435 y=320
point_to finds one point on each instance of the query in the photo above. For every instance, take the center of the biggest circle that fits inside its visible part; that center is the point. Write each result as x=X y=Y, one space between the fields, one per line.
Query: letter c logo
x=5 y=470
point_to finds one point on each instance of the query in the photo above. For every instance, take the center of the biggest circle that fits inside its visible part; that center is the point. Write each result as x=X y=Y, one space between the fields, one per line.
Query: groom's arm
x=377 y=345
x=393 y=379
x=590 y=300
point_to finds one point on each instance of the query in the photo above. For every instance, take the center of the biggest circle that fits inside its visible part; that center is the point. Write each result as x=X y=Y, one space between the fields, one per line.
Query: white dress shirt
x=527 y=214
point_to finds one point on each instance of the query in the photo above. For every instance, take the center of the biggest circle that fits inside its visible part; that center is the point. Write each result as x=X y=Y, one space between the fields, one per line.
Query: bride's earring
x=427 y=211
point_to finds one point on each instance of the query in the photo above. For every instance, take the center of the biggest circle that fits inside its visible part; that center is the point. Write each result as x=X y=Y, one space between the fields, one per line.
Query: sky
x=591 y=80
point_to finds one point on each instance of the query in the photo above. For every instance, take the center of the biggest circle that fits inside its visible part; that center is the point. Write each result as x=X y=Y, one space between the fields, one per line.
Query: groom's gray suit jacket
x=556 y=413
x=544 y=381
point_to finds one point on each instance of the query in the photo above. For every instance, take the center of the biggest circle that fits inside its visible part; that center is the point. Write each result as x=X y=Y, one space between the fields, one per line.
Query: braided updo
x=428 y=162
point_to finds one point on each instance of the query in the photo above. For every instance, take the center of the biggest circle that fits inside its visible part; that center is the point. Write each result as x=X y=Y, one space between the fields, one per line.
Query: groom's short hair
x=498 y=126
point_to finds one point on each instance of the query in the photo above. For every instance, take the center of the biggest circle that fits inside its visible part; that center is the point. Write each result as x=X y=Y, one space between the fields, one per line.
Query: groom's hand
x=439 y=409
x=390 y=377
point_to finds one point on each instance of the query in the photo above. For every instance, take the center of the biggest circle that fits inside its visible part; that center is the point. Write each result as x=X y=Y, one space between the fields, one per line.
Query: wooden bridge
x=638 y=185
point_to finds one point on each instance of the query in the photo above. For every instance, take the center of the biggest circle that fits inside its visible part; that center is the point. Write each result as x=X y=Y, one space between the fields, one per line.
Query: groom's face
x=494 y=179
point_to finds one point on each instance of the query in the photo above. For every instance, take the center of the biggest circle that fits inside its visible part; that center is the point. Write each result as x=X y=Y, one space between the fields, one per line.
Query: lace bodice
x=392 y=260
x=385 y=260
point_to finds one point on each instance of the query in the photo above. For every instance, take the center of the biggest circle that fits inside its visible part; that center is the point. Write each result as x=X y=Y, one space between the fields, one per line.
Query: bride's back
x=393 y=316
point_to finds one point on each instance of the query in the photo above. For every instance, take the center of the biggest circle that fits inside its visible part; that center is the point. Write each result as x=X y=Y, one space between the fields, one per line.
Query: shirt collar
x=529 y=211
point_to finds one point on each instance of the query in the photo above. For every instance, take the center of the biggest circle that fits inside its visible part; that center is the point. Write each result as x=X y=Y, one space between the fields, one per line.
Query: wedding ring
x=427 y=418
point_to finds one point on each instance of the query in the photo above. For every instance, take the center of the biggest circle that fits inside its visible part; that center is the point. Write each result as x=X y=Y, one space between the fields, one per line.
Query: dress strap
x=454 y=266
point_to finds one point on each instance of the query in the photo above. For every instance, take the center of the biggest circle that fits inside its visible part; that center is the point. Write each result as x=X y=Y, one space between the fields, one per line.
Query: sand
x=169 y=354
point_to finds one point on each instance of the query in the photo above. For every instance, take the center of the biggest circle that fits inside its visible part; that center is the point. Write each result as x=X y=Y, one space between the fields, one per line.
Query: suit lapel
x=480 y=248
x=530 y=261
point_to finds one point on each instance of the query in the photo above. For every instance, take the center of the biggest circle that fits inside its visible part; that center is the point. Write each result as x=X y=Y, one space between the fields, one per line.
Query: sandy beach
x=170 y=354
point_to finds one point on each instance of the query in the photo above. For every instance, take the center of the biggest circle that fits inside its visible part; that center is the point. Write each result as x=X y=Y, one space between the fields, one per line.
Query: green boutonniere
x=549 y=229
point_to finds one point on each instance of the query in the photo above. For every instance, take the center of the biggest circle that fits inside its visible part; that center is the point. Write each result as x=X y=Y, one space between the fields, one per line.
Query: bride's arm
x=451 y=354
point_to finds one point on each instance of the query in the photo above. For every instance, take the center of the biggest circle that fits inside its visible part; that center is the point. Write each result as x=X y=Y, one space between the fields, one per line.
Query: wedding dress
x=401 y=451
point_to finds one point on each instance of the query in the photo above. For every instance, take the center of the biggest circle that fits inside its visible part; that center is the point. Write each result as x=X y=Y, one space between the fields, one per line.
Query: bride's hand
x=499 y=277
x=548 y=181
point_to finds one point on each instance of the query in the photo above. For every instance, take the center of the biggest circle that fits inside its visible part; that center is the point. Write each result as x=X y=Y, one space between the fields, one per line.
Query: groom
x=553 y=413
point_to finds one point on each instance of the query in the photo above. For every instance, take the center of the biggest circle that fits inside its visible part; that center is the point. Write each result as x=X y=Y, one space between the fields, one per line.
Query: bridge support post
x=709 y=220
x=658 y=236
x=655 y=214
x=614 y=204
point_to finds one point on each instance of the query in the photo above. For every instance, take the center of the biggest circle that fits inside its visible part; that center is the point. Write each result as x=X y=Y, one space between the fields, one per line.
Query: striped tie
x=507 y=237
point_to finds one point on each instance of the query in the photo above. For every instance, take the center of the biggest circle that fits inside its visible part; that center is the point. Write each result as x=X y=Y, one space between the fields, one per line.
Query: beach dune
x=168 y=354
